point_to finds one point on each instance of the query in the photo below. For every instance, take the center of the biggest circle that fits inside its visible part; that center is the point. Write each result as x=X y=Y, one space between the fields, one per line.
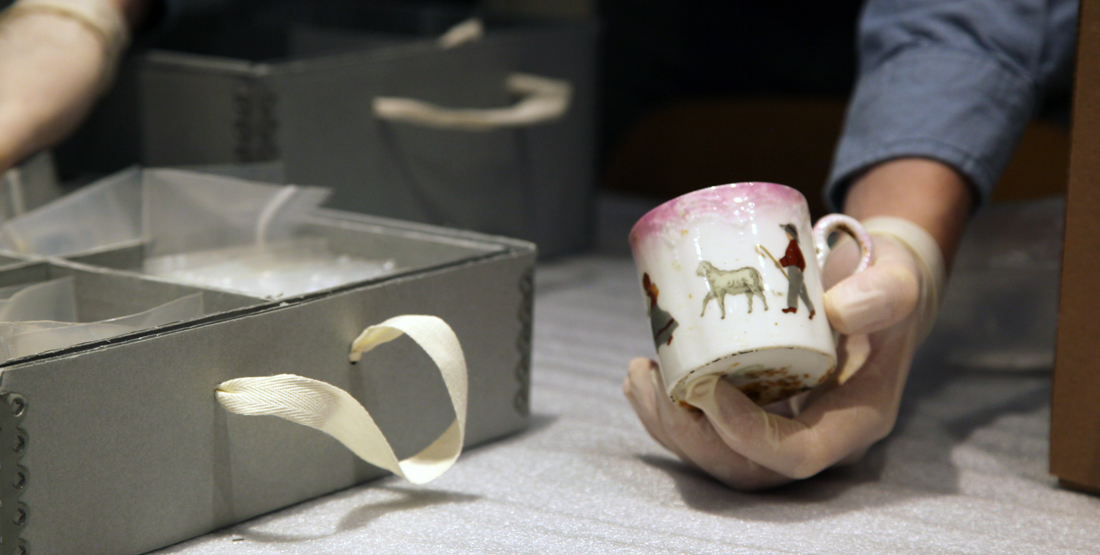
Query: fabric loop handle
x=545 y=100
x=334 y=411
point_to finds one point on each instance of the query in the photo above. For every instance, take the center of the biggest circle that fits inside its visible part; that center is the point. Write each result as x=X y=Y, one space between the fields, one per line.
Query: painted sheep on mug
x=730 y=282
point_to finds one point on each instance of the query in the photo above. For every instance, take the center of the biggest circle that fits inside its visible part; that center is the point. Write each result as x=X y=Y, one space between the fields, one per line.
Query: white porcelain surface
x=723 y=246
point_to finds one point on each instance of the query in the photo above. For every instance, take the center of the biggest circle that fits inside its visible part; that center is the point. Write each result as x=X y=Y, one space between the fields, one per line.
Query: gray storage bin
x=118 y=446
x=304 y=97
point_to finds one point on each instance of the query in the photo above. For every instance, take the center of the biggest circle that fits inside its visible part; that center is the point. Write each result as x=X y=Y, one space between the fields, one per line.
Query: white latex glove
x=52 y=68
x=748 y=447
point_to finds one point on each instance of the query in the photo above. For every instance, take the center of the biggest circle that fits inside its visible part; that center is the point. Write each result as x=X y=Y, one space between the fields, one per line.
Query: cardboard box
x=120 y=447
x=1075 y=415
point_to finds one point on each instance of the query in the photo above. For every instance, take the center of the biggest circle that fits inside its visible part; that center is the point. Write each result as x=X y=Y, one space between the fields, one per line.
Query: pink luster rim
x=734 y=201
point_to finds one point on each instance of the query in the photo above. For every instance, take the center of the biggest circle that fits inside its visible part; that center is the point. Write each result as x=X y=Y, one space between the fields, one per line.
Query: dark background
x=693 y=93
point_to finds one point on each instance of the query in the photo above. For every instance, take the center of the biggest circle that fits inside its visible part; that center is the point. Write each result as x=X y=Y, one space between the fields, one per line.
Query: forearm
x=949 y=81
x=40 y=102
x=53 y=65
x=923 y=191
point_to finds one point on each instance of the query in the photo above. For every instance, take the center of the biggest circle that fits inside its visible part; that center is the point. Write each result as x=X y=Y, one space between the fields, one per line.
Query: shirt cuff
x=965 y=109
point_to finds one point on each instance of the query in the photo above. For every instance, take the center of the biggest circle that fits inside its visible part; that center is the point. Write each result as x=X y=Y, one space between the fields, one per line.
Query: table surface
x=965 y=470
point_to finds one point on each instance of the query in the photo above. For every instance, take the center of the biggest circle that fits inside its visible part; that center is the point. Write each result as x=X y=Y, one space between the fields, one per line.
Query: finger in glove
x=686 y=432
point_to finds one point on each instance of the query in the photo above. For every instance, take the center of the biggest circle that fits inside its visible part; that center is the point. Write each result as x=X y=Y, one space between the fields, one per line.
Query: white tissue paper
x=270 y=270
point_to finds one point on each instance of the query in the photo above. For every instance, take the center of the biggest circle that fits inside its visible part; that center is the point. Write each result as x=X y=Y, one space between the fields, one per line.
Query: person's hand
x=52 y=68
x=886 y=311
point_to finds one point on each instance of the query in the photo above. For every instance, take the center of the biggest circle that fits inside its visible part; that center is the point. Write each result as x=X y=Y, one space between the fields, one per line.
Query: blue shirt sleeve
x=951 y=80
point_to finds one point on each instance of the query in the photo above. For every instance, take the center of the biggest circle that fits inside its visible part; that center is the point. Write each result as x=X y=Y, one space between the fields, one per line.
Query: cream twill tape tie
x=332 y=410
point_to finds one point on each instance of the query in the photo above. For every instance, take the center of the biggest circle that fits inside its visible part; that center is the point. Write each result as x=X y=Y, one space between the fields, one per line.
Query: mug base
x=766 y=375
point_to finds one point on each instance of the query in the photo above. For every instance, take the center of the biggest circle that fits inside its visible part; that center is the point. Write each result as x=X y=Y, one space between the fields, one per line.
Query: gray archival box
x=120 y=447
x=308 y=104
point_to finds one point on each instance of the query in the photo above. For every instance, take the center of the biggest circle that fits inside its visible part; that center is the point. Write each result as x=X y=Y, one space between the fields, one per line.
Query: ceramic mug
x=731 y=277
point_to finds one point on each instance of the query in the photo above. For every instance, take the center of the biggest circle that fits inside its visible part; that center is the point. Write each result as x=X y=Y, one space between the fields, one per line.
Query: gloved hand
x=52 y=67
x=748 y=447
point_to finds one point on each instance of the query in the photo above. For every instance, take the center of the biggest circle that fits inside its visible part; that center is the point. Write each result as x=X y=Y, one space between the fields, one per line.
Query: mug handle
x=839 y=222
